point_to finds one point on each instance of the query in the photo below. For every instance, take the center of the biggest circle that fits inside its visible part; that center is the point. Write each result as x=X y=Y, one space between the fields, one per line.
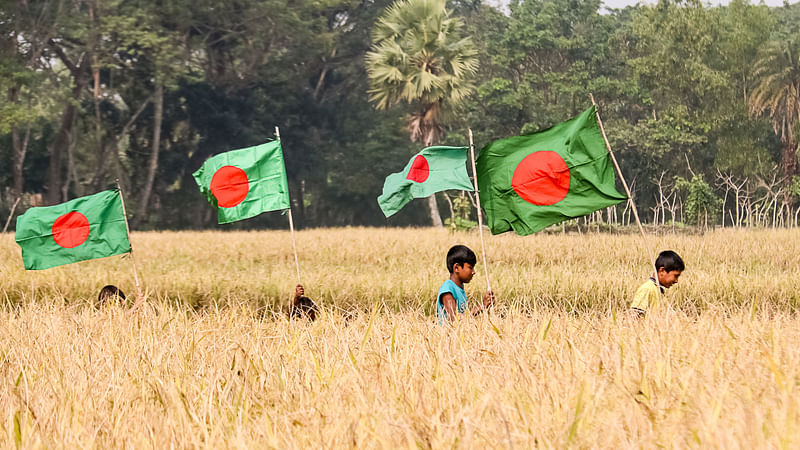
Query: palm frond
x=777 y=91
x=419 y=55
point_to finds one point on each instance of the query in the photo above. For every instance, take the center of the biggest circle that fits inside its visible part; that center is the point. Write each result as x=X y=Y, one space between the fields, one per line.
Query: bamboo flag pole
x=139 y=296
x=13 y=208
x=291 y=221
x=480 y=213
x=624 y=184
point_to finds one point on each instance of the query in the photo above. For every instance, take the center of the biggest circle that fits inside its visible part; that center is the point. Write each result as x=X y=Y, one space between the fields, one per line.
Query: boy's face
x=667 y=279
x=464 y=272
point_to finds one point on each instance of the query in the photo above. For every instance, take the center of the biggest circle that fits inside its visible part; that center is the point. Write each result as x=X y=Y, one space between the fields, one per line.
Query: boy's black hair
x=460 y=254
x=108 y=292
x=670 y=261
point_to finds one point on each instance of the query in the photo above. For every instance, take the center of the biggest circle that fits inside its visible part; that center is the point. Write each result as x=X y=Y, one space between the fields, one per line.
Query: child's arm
x=488 y=300
x=449 y=303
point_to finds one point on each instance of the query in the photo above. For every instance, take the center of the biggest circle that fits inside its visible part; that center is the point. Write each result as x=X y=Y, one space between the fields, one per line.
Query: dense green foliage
x=702 y=206
x=144 y=91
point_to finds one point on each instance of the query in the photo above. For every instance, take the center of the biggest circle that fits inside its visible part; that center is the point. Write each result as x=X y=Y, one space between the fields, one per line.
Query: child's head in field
x=110 y=293
x=669 y=266
x=461 y=263
x=302 y=306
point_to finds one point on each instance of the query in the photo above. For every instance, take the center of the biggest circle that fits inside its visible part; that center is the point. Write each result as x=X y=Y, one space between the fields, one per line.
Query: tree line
x=701 y=104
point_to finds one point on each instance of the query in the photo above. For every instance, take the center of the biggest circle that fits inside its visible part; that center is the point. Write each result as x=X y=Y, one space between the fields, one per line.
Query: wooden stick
x=291 y=221
x=625 y=185
x=294 y=246
x=13 y=208
x=478 y=205
x=139 y=296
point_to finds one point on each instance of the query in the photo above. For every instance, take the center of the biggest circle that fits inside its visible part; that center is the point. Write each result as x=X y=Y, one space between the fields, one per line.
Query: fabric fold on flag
x=432 y=170
x=81 y=229
x=530 y=182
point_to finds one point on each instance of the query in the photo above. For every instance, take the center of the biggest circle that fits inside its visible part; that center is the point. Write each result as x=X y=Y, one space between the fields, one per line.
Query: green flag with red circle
x=432 y=170
x=530 y=182
x=84 y=228
x=246 y=182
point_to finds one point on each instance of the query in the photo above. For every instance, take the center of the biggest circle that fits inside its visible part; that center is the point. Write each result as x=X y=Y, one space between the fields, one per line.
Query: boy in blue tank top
x=452 y=300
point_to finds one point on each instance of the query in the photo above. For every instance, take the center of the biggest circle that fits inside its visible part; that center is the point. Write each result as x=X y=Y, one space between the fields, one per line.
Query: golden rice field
x=213 y=362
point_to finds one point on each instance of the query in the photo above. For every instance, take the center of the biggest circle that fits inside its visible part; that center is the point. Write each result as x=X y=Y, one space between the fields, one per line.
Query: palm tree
x=778 y=92
x=418 y=56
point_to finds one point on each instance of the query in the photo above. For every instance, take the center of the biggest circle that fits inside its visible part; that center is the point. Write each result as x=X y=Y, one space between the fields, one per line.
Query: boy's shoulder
x=650 y=282
x=646 y=296
x=447 y=286
x=647 y=283
x=649 y=286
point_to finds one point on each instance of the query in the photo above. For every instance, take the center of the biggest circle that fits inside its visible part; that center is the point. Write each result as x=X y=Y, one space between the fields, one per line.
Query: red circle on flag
x=71 y=229
x=541 y=178
x=419 y=170
x=230 y=186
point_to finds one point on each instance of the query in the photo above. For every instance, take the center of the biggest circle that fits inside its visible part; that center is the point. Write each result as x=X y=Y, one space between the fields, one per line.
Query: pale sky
x=624 y=3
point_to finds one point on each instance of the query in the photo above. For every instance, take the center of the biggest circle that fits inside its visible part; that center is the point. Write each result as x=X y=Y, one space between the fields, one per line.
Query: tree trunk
x=72 y=171
x=141 y=214
x=436 y=219
x=18 y=150
x=100 y=166
x=430 y=133
x=789 y=160
x=54 y=171
x=64 y=137
x=72 y=174
x=321 y=79
x=16 y=145
x=111 y=147
x=100 y=169
x=297 y=205
x=789 y=167
x=18 y=159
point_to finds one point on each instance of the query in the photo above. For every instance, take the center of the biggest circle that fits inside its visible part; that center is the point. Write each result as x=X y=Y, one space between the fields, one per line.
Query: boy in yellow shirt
x=669 y=267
